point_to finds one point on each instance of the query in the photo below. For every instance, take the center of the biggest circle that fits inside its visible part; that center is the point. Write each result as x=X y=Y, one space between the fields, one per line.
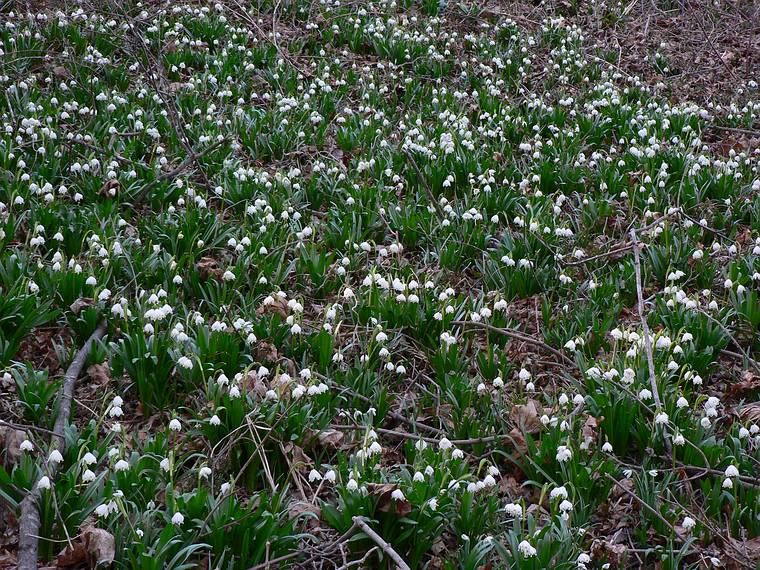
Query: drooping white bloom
x=526 y=549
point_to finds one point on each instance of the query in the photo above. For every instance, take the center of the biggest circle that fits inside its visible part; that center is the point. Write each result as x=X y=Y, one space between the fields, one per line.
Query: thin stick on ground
x=643 y=318
x=384 y=546
x=517 y=335
x=29 y=521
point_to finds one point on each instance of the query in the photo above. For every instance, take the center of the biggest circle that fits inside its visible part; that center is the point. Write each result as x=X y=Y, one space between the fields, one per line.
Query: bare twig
x=511 y=333
x=29 y=521
x=384 y=546
x=645 y=326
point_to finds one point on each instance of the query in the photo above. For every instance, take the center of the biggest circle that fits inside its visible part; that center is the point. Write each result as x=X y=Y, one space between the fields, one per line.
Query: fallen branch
x=384 y=546
x=511 y=333
x=644 y=324
x=29 y=521
x=191 y=158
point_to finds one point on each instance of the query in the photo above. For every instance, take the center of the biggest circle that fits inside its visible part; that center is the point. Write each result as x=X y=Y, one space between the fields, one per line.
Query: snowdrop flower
x=102 y=510
x=558 y=492
x=175 y=425
x=178 y=519
x=204 y=472
x=688 y=523
x=444 y=444
x=121 y=465
x=352 y=485
x=732 y=471
x=214 y=420
x=514 y=510
x=564 y=454
x=314 y=475
x=44 y=483
x=26 y=445
x=397 y=495
x=526 y=549
x=55 y=457
x=88 y=476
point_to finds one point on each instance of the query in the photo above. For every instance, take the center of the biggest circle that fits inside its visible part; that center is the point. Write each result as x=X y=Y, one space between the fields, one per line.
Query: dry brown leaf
x=94 y=547
x=208 y=268
x=748 y=383
x=299 y=508
x=330 y=439
x=297 y=456
x=278 y=306
x=589 y=428
x=80 y=304
x=109 y=189
x=750 y=413
x=253 y=384
x=385 y=501
x=10 y=442
x=526 y=417
x=100 y=374
x=518 y=439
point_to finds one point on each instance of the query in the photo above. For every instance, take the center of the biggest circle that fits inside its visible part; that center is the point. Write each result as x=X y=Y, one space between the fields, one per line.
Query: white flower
x=444 y=444
x=352 y=485
x=88 y=476
x=121 y=465
x=526 y=549
x=178 y=519
x=214 y=420
x=298 y=391
x=204 y=471
x=688 y=523
x=185 y=362
x=44 y=483
x=330 y=476
x=607 y=447
x=514 y=510
x=564 y=454
x=175 y=425
x=558 y=492
x=165 y=465
x=102 y=510
x=55 y=456
x=225 y=487
x=26 y=445
x=314 y=475
x=732 y=471
x=397 y=495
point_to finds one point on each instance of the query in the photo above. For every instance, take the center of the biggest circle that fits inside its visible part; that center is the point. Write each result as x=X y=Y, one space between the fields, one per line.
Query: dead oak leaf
x=385 y=501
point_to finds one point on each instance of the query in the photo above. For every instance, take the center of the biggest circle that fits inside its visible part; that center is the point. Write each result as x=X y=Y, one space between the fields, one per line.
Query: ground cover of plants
x=390 y=284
